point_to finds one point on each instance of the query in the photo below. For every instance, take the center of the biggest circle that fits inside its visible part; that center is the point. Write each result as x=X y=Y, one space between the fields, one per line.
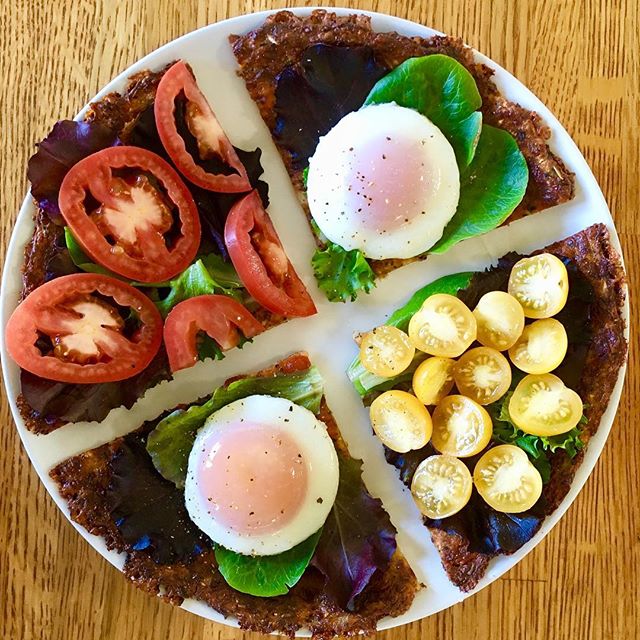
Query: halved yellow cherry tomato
x=461 y=427
x=400 y=420
x=386 y=351
x=540 y=284
x=441 y=486
x=482 y=374
x=543 y=406
x=500 y=319
x=506 y=479
x=433 y=379
x=541 y=347
x=444 y=326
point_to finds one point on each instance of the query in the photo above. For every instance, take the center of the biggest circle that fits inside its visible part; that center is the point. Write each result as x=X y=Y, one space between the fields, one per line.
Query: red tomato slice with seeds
x=77 y=329
x=260 y=260
x=132 y=213
x=212 y=142
x=219 y=317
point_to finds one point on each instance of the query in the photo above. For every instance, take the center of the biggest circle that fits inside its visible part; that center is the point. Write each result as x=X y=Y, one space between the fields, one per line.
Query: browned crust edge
x=264 y=52
x=83 y=481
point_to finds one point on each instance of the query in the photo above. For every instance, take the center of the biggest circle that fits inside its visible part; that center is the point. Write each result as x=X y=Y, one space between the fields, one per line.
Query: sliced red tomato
x=132 y=213
x=212 y=142
x=219 y=317
x=260 y=260
x=71 y=329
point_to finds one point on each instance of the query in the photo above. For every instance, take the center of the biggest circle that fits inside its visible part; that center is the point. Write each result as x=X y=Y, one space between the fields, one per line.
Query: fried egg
x=384 y=180
x=262 y=475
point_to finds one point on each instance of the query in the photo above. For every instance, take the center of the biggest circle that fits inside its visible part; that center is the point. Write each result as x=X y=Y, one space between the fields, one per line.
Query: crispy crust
x=263 y=53
x=591 y=251
x=84 y=480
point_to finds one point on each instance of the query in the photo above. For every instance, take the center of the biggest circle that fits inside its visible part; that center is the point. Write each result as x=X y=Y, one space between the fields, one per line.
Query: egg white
x=332 y=164
x=317 y=449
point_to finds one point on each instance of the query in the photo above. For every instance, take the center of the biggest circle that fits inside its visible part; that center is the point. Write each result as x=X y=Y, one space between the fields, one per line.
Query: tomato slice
x=500 y=320
x=260 y=260
x=443 y=326
x=203 y=125
x=461 y=427
x=441 y=486
x=131 y=212
x=540 y=284
x=400 y=420
x=482 y=374
x=386 y=351
x=433 y=379
x=72 y=329
x=219 y=317
x=506 y=479
x=541 y=348
x=543 y=406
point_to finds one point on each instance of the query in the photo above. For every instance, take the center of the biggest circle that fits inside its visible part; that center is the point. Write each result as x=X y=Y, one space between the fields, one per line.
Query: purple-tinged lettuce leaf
x=357 y=539
x=148 y=510
x=67 y=143
x=313 y=95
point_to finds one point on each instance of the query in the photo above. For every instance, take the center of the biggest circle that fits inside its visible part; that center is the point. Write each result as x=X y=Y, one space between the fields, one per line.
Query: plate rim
x=583 y=472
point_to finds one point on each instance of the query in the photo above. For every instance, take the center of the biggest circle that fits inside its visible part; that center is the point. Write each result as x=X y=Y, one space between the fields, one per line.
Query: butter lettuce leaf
x=441 y=89
x=266 y=576
x=342 y=274
x=491 y=187
x=81 y=259
x=365 y=381
x=171 y=441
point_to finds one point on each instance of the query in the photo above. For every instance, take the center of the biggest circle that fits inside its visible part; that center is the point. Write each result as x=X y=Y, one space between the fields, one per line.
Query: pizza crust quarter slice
x=115 y=492
x=305 y=73
x=597 y=349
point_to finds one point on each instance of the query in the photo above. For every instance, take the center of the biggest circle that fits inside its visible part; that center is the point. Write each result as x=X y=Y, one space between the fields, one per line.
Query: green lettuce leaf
x=170 y=443
x=537 y=448
x=441 y=89
x=342 y=274
x=209 y=274
x=266 y=576
x=81 y=259
x=491 y=187
x=364 y=381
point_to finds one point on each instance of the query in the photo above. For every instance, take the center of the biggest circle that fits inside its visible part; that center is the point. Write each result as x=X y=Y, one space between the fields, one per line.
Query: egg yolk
x=388 y=181
x=252 y=478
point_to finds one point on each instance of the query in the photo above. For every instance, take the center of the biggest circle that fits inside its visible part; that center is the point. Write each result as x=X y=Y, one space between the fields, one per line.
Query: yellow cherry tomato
x=541 y=347
x=441 y=486
x=461 y=427
x=400 y=420
x=540 y=284
x=386 y=351
x=433 y=379
x=500 y=319
x=444 y=326
x=482 y=374
x=506 y=479
x=543 y=406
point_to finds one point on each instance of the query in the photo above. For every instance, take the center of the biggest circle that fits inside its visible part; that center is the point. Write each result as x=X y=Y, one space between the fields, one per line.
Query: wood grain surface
x=581 y=58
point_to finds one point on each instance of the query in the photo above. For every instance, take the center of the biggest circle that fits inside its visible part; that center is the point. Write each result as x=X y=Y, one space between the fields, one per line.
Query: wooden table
x=582 y=60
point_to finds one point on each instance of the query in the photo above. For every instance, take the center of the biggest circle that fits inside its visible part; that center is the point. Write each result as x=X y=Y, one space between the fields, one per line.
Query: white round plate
x=328 y=336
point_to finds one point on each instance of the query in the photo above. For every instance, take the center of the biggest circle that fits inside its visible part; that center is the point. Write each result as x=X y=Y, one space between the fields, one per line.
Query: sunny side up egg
x=262 y=476
x=384 y=180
